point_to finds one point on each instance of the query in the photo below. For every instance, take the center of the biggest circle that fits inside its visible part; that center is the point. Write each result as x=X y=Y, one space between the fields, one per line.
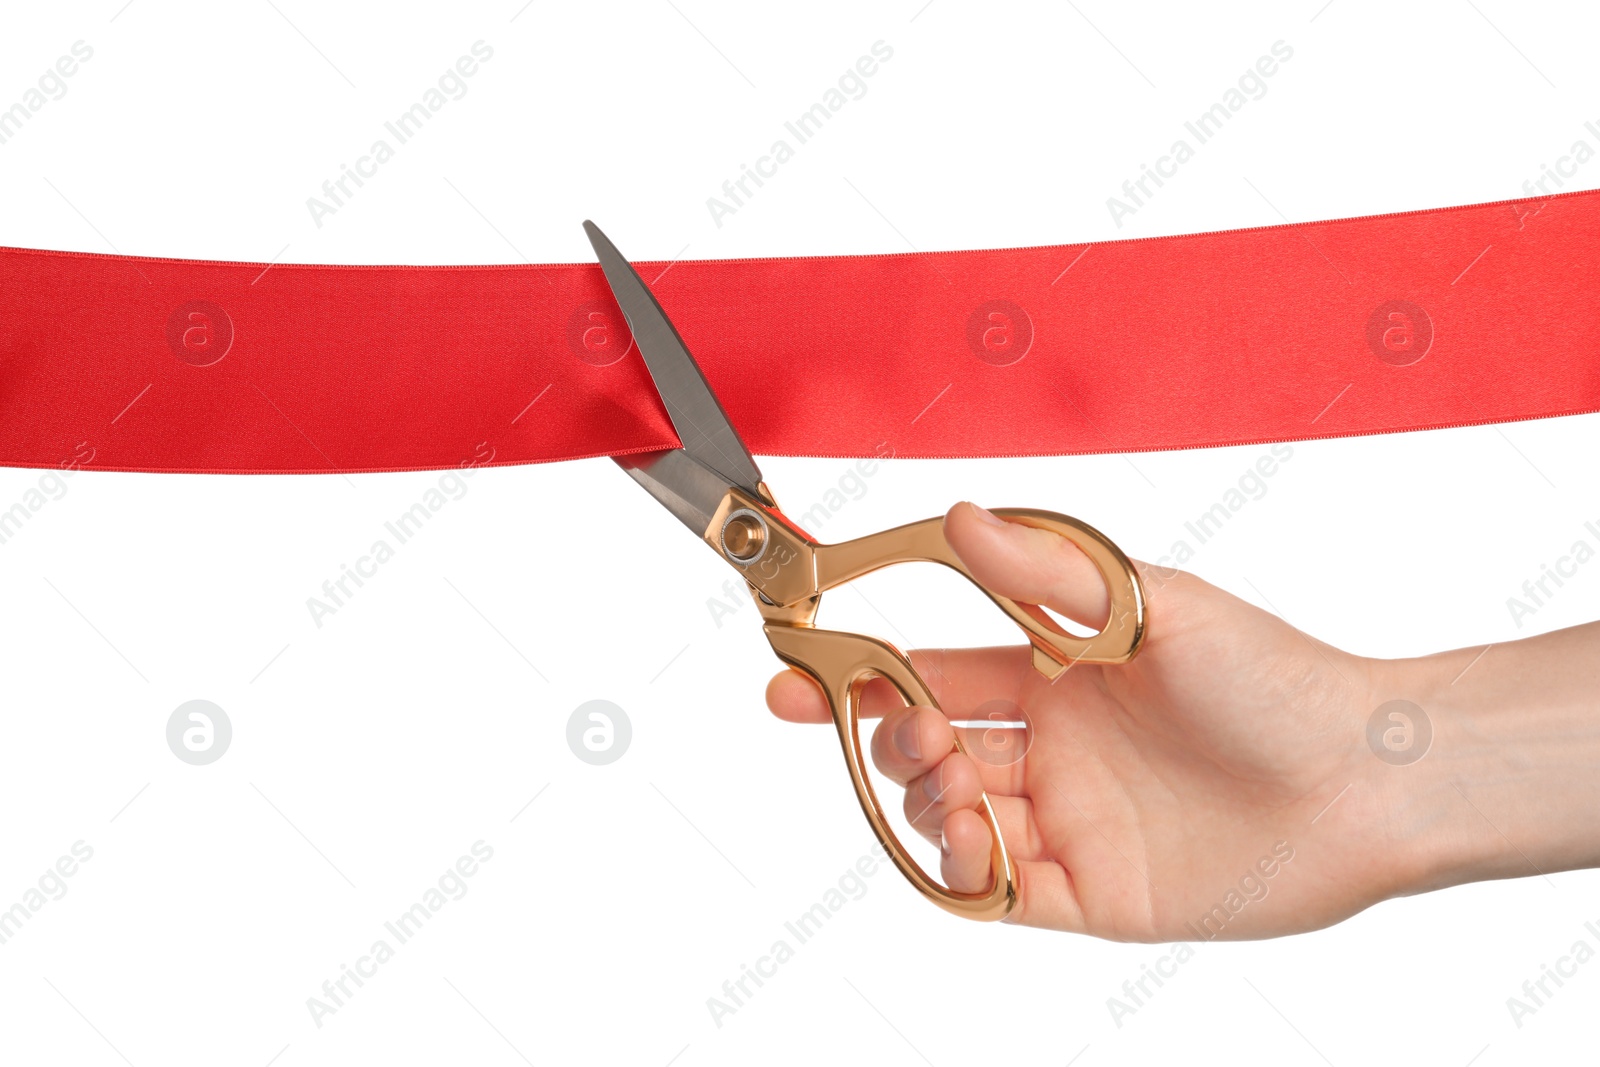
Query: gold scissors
x=714 y=488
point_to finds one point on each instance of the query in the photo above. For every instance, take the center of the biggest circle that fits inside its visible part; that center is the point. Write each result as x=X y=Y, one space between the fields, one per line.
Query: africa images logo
x=1399 y=333
x=200 y=333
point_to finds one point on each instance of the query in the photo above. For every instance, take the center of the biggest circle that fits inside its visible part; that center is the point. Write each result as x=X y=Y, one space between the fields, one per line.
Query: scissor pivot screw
x=744 y=536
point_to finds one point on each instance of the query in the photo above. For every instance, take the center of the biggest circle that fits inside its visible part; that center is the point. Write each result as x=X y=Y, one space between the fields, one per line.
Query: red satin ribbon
x=1395 y=322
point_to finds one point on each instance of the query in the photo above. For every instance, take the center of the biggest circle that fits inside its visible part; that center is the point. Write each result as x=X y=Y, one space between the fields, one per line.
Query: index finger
x=960 y=679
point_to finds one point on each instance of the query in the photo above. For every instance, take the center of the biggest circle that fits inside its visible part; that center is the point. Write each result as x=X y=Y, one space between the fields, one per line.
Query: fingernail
x=908 y=738
x=944 y=843
x=987 y=516
x=932 y=787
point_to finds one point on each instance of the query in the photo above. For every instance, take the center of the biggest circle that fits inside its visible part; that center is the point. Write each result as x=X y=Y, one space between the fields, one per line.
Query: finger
x=954 y=789
x=962 y=680
x=964 y=859
x=1044 y=890
x=1047 y=897
x=1046 y=893
x=1018 y=828
x=796 y=697
x=910 y=742
x=1028 y=565
x=950 y=787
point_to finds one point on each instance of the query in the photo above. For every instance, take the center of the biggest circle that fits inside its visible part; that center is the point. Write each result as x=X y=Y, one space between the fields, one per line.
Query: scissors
x=712 y=485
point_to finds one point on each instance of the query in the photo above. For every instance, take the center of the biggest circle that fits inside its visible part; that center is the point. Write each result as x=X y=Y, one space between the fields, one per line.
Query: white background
x=371 y=753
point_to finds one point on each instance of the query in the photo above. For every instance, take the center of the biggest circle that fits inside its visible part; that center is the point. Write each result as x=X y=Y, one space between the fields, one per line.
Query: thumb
x=1027 y=565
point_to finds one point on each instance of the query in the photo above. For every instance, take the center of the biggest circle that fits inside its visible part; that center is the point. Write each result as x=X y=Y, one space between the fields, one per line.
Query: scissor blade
x=683 y=485
x=702 y=425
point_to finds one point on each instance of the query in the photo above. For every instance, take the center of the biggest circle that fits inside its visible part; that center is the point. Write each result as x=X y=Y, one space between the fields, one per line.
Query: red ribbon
x=1396 y=322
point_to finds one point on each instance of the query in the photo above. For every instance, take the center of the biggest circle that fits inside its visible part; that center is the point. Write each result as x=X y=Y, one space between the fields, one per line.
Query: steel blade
x=696 y=415
x=683 y=485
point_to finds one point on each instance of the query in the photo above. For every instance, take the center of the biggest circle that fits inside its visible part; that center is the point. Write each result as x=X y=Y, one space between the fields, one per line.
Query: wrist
x=1485 y=761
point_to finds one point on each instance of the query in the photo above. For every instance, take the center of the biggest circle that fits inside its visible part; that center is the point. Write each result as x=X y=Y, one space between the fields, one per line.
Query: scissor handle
x=842 y=663
x=1054 y=649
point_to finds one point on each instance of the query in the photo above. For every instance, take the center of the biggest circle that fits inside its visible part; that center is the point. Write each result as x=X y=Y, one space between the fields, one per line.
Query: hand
x=1219 y=785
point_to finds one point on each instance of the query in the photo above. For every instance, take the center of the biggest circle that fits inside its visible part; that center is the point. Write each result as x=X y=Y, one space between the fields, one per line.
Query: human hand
x=1187 y=794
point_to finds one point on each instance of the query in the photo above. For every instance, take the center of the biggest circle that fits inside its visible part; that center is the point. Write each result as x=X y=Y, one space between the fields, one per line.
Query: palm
x=1161 y=785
